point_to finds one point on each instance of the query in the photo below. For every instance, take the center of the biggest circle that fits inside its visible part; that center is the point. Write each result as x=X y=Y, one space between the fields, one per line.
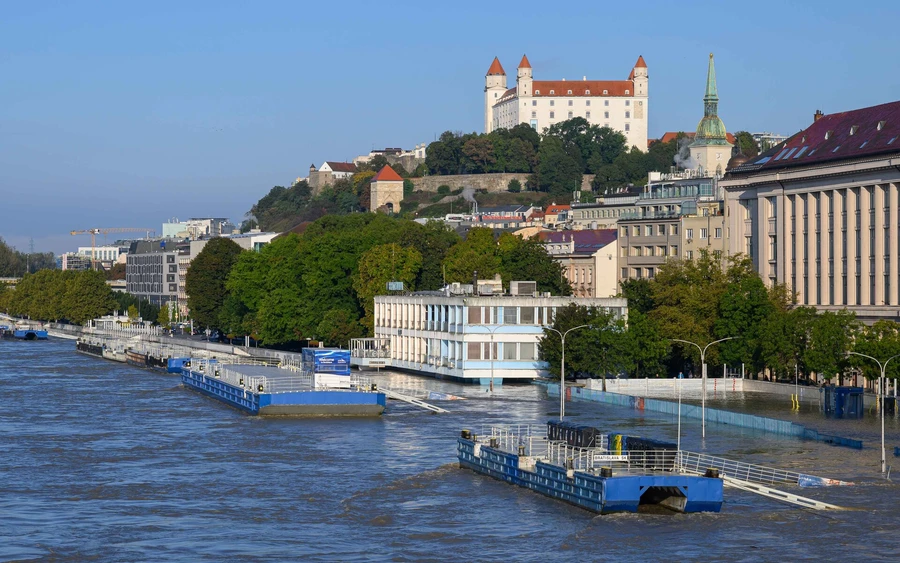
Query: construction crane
x=95 y=232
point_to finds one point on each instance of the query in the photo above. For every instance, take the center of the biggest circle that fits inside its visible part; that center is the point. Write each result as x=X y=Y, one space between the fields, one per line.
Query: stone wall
x=497 y=182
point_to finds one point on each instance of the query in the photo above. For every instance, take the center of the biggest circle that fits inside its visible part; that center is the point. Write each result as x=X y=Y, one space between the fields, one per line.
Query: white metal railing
x=692 y=462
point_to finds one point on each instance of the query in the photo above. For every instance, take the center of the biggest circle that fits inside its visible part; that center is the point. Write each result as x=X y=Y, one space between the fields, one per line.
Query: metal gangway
x=756 y=478
x=394 y=394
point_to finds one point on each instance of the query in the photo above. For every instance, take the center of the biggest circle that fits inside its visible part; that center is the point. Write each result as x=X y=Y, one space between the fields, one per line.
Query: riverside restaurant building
x=479 y=337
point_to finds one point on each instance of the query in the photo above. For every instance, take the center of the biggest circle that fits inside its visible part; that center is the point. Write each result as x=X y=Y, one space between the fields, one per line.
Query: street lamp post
x=493 y=353
x=703 y=363
x=562 y=371
x=881 y=381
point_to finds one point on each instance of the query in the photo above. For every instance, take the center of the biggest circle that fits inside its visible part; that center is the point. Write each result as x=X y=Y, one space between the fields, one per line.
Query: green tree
x=639 y=294
x=647 y=348
x=338 y=327
x=205 y=283
x=745 y=144
x=133 y=312
x=480 y=153
x=162 y=318
x=743 y=307
x=87 y=297
x=831 y=336
x=881 y=341
x=558 y=173
x=514 y=186
x=433 y=240
x=478 y=253
x=528 y=260
x=380 y=265
x=601 y=348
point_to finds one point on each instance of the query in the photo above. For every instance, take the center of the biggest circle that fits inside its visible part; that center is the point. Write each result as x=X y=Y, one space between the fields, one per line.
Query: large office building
x=469 y=336
x=151 y=271
x=622 y=105
x=820 y=212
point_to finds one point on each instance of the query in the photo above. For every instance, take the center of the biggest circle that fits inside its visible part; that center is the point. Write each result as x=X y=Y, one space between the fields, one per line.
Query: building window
x=534 y=102
x=526 y=315
x=570 y=115
x=587 y=115
x=552 y=102
x=673 y=229
x=689 y=233
x=661 y=230
x=606 y=114
x=605 y=102
x=570 y=101
x=624 y=231
x=587 y=102
x=527 y=351
x=673 y=250
x=627 y=115
x=703 y=233
x=648 y=230
x=537 y=93
x=552 y=114
x=533 y=114
x=624 y=273
x=689 y=254
x=627 y=102
x=474 y=351
x=651 y=272
x=510 y=315
x=627 y=92
x=509 y=351
x=627 y=127
x=718 y=232
x=636 y=231
x=474 y=315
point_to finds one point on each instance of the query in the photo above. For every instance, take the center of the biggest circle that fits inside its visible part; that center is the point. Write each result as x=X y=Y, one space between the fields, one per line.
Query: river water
x=105 y=462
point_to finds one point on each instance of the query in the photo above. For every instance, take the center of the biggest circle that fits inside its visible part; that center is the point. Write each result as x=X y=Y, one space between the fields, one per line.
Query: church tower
x=494 y=86
x=711 y=150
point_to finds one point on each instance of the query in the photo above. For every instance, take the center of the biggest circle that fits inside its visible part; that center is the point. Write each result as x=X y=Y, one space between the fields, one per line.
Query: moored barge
x=592 y=477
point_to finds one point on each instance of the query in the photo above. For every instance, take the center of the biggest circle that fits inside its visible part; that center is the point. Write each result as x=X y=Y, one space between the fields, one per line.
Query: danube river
x=106 y=462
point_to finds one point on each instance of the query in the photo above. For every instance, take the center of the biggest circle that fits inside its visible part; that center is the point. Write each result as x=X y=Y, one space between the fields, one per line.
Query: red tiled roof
x=341 y=166
x=583 y=87
x=524 y=62
x=387 y=174
x=507 y=94
x=847 y=135
x=558 y=208
x=640 y=62
x=496 y=68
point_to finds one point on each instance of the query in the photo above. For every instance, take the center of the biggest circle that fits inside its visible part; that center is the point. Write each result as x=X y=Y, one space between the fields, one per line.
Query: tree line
x=14 y=264
x=701 y=301
x=321 y=284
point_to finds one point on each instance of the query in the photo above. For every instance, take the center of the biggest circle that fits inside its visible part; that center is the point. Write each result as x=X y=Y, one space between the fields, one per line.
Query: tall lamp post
x=703 y=363
x=881 y=381
x=493 y=354
x=562 y=371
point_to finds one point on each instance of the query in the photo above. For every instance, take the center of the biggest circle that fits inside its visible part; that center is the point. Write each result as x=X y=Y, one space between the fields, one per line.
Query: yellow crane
x=95 y=232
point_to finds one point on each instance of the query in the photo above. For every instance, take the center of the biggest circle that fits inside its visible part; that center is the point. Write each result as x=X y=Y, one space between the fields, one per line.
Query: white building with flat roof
x=621 y=105
x=472 y=337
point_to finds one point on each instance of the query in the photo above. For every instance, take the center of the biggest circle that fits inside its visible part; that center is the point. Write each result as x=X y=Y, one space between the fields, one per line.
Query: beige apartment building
x=588 y=258
x=820 y=212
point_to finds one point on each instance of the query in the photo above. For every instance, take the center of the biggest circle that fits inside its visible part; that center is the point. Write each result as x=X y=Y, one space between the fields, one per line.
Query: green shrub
x=408 y=188
x=514 y=186
x=444 y=190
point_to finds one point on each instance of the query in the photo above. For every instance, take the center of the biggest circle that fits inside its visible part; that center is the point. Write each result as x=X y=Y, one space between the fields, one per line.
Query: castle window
x=552 y=103
x=588 y=93
x=534 y=102
x=537 y=92
x=588 y=115
x=606 y=114
x=570 y=115
x=627 y=127
x=606 y=92
x=627 y=92
x=627 y=115
x=605 y=102
x=552 y=92
x=570 y=101
x=533 y=114
x=570 y=92
x=587 y=102
x=552 y=114
x=640 y=103
x=627 y=102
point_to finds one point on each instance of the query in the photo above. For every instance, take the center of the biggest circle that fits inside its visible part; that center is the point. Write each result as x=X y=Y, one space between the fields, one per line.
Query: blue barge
x=23 y=332
x=594 y=478
x=266 y=390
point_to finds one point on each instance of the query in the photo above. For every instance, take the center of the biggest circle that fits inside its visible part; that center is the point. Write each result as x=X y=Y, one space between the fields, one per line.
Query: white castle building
x=618 y=104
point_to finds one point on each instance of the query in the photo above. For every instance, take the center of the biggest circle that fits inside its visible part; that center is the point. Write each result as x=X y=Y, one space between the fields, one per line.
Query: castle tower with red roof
x=386 y=192
x=621 y=105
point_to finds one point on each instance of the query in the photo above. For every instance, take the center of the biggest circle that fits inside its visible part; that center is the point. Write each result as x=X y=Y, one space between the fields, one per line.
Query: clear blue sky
x=123 y=114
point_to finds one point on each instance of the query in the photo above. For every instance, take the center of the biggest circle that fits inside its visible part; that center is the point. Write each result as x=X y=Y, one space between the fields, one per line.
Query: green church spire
x=711 y=130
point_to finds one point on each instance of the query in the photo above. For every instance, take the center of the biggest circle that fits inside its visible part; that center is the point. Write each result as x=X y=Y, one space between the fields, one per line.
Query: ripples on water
x=106 y=462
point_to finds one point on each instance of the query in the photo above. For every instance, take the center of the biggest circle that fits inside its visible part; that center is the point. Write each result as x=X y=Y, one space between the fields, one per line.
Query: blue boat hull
x=30 y=334
x=299 y=403
x=602 y=495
